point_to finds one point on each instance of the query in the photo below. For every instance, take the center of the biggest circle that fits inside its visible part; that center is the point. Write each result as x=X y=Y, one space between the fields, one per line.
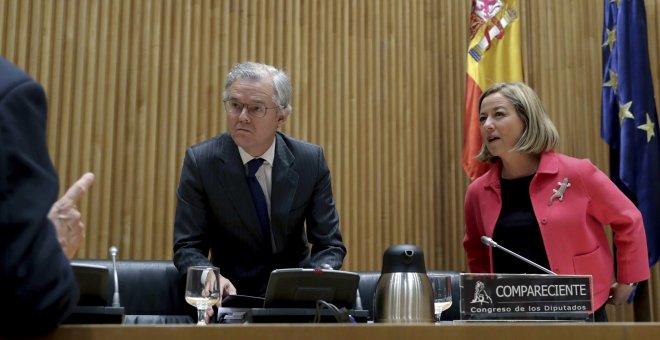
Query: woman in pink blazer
x=547 y=206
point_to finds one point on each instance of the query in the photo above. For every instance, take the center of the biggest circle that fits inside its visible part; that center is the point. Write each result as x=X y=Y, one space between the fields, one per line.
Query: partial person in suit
x=546 y=206
x=38 y=235
x=257 y=199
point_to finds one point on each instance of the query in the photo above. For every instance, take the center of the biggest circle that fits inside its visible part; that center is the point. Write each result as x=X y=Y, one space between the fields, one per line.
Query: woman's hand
x=620 y=293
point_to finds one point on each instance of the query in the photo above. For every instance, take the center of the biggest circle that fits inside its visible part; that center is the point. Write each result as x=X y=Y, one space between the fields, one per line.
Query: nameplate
x=525 y=297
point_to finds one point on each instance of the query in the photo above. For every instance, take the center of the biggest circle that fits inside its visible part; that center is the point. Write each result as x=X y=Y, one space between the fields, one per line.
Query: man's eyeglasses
x=256 y=110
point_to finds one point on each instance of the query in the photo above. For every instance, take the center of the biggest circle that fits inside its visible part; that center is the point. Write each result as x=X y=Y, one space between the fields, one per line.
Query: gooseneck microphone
x=489 y=242
x=358 y=301
x=115 y=297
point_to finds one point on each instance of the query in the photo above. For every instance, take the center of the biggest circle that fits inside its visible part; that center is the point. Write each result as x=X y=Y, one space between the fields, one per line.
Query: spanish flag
x=494 y=55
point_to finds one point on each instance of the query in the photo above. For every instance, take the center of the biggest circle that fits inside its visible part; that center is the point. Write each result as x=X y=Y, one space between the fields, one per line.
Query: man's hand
x=65 y=216
x=226 y=288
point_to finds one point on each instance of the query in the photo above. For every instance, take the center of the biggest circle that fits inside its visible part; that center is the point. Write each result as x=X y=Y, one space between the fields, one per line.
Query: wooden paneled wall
x=378 y=83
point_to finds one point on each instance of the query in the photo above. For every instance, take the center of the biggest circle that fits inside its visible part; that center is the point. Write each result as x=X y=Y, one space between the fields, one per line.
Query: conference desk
x=462 y=331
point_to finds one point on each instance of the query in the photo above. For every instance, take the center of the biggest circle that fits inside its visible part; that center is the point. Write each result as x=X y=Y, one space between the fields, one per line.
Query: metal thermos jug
x=403 y=293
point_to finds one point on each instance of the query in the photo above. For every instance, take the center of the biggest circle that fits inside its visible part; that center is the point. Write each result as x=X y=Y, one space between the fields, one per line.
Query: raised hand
x=65 y=216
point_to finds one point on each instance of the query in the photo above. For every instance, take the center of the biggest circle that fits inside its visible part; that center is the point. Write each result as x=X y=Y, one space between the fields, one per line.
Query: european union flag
x=629 y=122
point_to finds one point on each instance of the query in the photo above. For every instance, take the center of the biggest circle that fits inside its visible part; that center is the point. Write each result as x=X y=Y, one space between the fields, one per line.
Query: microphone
x=358 y=301
x=489 y=242
x=115 y=297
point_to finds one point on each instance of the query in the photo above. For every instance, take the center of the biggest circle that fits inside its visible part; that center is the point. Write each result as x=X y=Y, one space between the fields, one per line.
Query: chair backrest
x=146 y=287
x=369 y=281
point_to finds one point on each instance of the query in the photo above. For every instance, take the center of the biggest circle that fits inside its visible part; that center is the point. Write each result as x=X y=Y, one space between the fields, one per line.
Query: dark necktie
x=258 y=197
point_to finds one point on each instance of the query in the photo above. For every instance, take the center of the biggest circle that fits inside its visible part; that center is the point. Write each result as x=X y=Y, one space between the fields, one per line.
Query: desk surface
x=482 y=331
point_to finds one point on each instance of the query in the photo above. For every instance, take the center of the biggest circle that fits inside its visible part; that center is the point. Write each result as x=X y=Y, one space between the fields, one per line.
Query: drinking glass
x=202 y=289
x=441 y=293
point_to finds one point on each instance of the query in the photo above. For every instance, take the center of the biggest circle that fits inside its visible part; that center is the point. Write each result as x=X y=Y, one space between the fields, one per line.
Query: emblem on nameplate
x=480 y=294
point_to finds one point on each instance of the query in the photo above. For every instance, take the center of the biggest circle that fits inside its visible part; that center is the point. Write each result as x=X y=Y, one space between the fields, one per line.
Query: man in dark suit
x=246 y=195
x=36 y=280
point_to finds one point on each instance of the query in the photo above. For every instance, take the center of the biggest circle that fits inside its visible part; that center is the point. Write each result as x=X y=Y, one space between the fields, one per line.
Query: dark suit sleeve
x=36 y=279
x=191 y=241
x=323 y=222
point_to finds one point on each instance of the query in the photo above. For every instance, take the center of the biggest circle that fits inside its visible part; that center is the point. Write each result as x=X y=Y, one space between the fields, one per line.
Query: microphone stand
x=489 y=242
x=115 y=297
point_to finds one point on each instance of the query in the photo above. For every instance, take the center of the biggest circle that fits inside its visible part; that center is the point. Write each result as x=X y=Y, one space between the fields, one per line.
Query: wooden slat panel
x=378 y=83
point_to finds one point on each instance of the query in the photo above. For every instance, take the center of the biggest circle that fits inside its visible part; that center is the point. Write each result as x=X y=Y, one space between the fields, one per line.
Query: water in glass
x=442 y=296
x=202 y=289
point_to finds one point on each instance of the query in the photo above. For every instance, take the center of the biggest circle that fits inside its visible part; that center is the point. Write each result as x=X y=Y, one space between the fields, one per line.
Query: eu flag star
x=624 y=112
x=611 y=38
x=614 y=81
x=648 y=127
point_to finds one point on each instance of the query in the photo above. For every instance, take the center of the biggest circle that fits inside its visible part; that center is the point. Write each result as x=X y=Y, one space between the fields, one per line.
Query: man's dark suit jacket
x=36 y=280
x=215 y=212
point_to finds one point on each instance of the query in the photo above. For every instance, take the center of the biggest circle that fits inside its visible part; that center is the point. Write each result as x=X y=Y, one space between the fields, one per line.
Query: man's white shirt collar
x=268 y=156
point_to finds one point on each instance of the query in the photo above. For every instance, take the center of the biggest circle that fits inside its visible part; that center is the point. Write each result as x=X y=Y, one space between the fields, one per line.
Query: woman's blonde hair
x=540 y=133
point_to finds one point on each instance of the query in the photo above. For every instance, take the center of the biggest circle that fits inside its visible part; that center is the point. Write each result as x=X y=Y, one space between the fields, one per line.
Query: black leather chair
x=369 y=280
x=150 y=291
